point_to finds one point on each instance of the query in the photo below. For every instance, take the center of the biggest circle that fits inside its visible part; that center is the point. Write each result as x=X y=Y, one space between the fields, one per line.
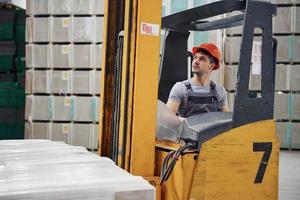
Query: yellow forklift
x=232 y=155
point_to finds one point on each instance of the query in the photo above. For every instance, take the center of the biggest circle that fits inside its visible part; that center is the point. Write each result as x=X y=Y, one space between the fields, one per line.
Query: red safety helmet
x=212 y=49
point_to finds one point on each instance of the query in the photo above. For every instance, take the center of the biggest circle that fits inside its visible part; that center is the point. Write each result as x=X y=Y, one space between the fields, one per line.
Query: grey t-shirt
x=179 y=91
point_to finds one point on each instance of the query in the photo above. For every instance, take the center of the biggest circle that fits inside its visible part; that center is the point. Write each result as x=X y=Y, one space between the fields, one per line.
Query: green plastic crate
x=11 y=95
x=6 y=62
x=20 y=32
x=20 y=63
x=21 y=80
x=7 y=53
x=12 y=115
x=7 y=18
x=11 y=131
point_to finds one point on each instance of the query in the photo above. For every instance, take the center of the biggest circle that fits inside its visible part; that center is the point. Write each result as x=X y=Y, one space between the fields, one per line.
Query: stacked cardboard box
x=63 y=70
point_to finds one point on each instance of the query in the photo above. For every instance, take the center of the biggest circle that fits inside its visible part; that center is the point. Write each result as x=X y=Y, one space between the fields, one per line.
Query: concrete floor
x=289 y=175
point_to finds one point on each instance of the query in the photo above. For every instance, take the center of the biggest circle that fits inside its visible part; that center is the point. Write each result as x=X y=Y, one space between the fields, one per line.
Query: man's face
x=201 y=64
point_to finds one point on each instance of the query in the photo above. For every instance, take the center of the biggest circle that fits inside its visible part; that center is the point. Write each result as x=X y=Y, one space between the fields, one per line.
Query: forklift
x=217 y=155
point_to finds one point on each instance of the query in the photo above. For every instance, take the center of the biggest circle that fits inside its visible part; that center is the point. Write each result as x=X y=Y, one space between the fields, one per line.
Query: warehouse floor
x=289 y=175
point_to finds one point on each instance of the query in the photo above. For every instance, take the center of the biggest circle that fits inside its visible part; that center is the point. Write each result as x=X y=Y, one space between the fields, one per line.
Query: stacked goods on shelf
x=67 y=172
x=286 y=29
x=63 y=70
x=12 y=76
x=287 y=97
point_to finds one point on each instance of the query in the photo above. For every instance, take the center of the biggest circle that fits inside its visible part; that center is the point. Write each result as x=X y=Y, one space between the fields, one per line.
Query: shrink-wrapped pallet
x=95 y=138
x=97 y=82
x=282 y=23
x=37 y=108
x=83 y=109
x=62 y=108
x=99 y=7
x=83 y=56
x=38 y=7
x=37 y=130
x=82 y=135
x=98 y=56
x=60 y=132
x=82 y=82
x=61 y=29
x=295 y=132
x=29 y=29
x=84 y=7
x=230 y=77
x=295 y=77
x=282 y=131
x=296 y=48
x=295 y=107
x=281 y=106
x=83 y=29
x=284 y=53
x=282 y=79
x=37 y=81
x=38 y=56
x=67 y=173
x=62 y=56
x=99 y=26
x=41 y=29
x=61 y=82
x=61 y=7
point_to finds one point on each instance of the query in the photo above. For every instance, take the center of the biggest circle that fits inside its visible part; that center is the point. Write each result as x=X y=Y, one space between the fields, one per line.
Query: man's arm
x=173 y=105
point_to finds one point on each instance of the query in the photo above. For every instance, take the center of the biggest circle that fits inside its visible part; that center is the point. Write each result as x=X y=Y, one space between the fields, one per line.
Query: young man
x=199 y=94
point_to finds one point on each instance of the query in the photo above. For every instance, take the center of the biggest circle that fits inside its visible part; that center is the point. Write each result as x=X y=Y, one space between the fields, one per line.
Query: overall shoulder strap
x=188 y=85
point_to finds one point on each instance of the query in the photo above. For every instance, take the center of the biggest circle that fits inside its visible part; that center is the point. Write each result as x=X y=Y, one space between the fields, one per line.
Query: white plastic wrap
x=62 y=108
x=82 y=135
x=83 y=7
x=99 y=7
x=37 y=108
x=99 y=26
x=61 y=7
x=61 y=82
x=83 y=56
x=39 y=7
x=97 y=82
x=51 y=170
x=295 y=77
x=37 y=81
x=29 y=29
x=41 y=29
x=37 y=130
x=61 y=132
x=61 y=29
x=84 y=109
x=82 y=82
x=83 y=29
x=98 y=56
x=41 y=56
x=230 y=77
x=95 y=136
x=29 y=56
x=282 y=80
x=62 y=56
